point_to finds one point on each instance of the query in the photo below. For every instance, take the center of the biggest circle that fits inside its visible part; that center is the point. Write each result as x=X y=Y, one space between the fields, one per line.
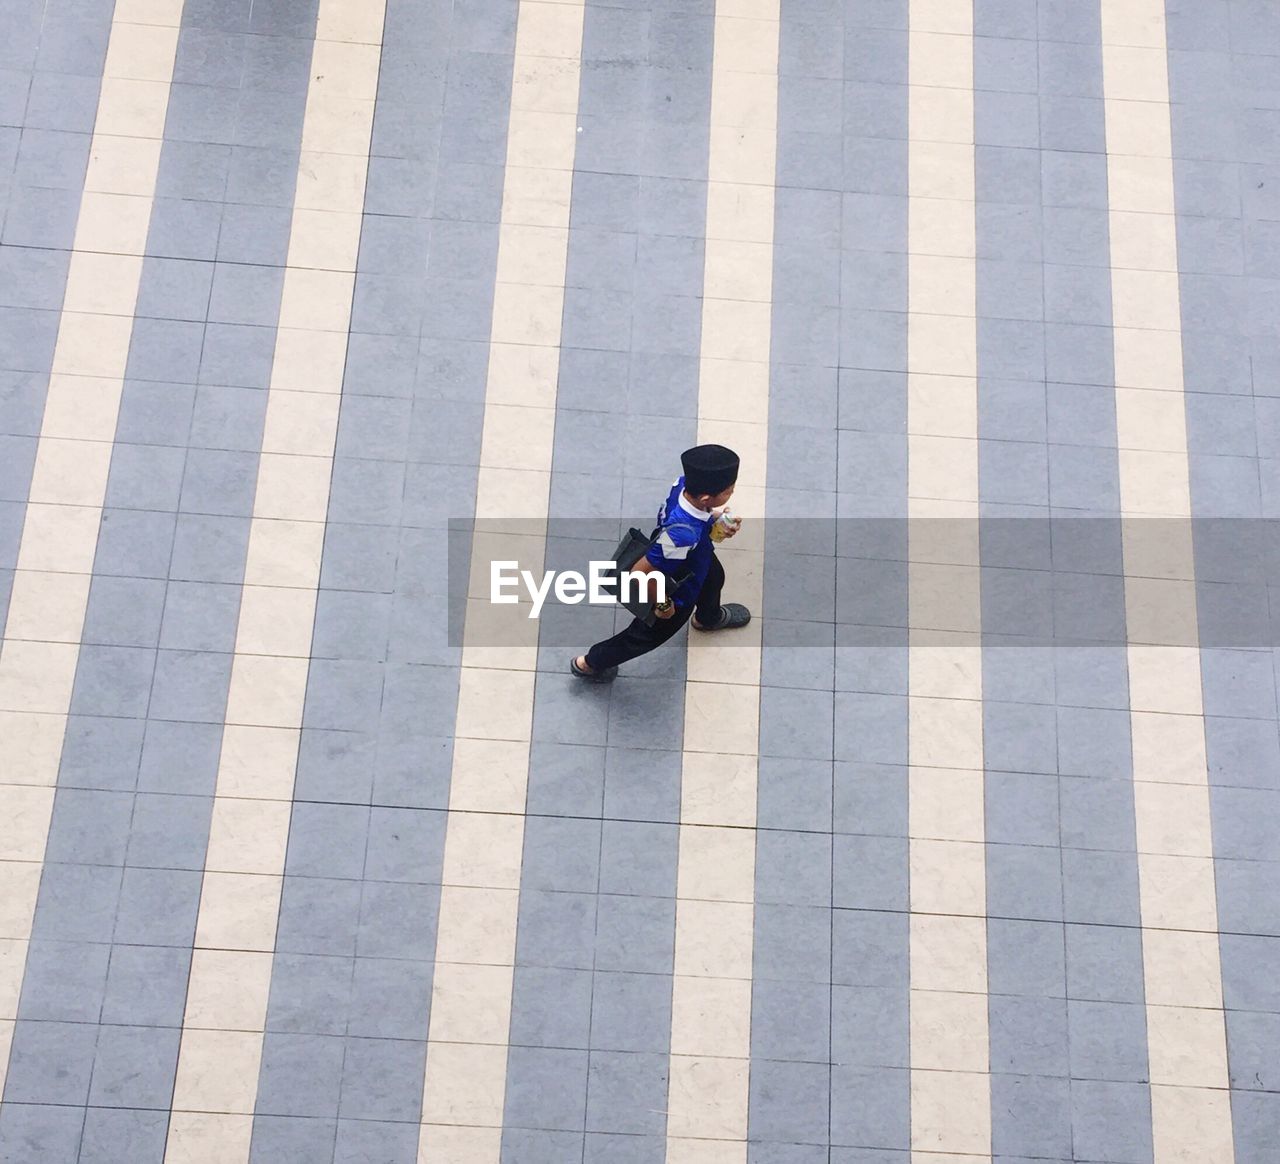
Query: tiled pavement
x=288 y=873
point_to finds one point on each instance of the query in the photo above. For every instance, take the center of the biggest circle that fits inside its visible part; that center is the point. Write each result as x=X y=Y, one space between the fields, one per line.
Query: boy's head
x=710 y=473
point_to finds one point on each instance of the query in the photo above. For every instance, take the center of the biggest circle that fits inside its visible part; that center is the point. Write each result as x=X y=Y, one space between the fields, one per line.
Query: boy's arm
x=667 y=556
x=648 y=585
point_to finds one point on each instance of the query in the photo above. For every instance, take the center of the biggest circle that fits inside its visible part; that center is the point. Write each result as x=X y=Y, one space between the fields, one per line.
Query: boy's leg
x=706 y=610
x=635 y=640
x=709 y=613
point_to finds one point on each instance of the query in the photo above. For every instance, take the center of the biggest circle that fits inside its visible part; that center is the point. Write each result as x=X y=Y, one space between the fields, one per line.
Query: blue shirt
x=683 y=545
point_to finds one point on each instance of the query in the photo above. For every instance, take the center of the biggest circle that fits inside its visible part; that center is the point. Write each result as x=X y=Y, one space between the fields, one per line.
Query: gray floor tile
x=319 y=916
x=175 y=289
x=869 y=1107
x=26 y=336
x=630 y=1012
x=112 y=1134
x=1108 y=1040
x=546 y=1089
x=559 y=929
x=796 y=723
x=50 y=1130
x=793 y=867
x=146 y=986
x=870 y=727
x=76 y=903
x=869 y=872
x=539 y=1147
x=774 y=1152
x=134 y=1067
x=374 y=1142
x=292 y=1140
x=158 y=907
x=1097 y=814
x=328 y=840
x=869 y=1026
x=145 y=477
x=1026 y=958
x=190 y=686
x=600 y=1147
x=566 y=778
x=382 y=1079
x=1020 y=737
x=789 y=1101
x=206 y=547
x=101 y=752
x=631 y=933
x=1247 y=898
x=219 y=483
x=561 y=853
x=64 y=982
x=1022 y=808
x=1029 y=1036
x=301 y=1075
x=310 y=993
x=89 y=827
x=155 y=414
x=641 y=784
x=405 y=844
x=795 y=794
x=1024 y=881
x=1008 y=174
x=1099 y=888
x=169 y=832
x=200 y=617
x=552 y=1007
x=227 y=418
x=1111 y=1121
x=626 y=1092
x=1031 y=1116
x=793 y=943
x=237 y=354
x=51 y=1062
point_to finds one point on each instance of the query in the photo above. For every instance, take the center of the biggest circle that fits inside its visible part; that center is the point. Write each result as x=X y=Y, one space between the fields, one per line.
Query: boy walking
x=684 y=551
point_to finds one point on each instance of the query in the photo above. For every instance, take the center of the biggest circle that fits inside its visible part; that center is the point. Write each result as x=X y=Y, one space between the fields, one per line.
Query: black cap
x=709 y=469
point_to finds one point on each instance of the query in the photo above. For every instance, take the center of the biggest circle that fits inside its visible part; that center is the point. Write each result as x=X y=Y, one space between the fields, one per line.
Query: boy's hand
x=664 y=609
x=733 y=529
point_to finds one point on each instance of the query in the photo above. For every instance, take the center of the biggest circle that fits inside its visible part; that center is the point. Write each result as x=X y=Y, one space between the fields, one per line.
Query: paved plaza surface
x=966 y=850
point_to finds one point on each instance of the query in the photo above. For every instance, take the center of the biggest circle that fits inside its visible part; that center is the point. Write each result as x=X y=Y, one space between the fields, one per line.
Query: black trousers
x=639 y=639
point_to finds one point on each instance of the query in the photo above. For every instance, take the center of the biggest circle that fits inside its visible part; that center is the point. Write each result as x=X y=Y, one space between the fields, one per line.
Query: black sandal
x=606 y=676
x=732 y=615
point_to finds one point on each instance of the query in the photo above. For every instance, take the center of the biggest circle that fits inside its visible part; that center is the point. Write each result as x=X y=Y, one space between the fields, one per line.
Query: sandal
x=732 y=614
x=606 y=676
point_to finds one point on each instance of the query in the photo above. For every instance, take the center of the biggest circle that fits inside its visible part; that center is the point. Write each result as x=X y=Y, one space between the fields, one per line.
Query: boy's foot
x=732 y=614
x=579 y=667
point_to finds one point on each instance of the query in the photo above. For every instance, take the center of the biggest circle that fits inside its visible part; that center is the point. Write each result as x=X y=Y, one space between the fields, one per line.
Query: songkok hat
x=709 y=469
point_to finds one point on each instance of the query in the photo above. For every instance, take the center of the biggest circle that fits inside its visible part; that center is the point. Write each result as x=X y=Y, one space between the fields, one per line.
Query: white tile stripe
x=221 y=1050
x=41 y=645
x=707 y=1116
x=949 y=1037
x=1186 y=1037
x=464 y=1087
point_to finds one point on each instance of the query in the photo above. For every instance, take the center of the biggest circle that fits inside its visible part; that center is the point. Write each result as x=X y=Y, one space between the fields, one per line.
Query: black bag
x=631 y=549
